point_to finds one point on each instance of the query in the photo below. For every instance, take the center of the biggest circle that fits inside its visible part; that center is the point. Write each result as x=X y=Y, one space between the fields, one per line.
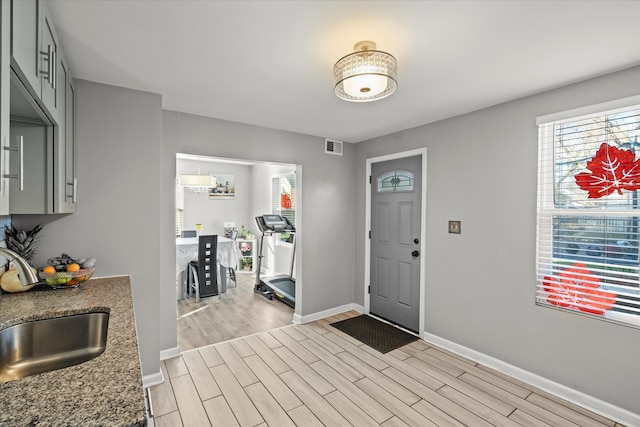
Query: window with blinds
x=283 y=198
x=588 y=214
x=179 y=222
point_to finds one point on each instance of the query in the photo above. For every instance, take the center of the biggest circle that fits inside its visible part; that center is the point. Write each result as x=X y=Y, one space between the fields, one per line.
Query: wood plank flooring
x=315 y=375
x=236 y=313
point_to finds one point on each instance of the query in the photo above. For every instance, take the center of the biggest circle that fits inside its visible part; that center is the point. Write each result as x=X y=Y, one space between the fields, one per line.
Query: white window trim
x=595 y=110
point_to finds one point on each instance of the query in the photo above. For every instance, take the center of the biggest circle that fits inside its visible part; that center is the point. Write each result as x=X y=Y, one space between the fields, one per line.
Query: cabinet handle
x=73 y=190
x=20 y=173
x=54 y=70
x=50 y=58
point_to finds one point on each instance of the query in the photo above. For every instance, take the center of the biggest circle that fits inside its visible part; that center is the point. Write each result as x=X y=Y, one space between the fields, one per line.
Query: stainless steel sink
x=46 y=345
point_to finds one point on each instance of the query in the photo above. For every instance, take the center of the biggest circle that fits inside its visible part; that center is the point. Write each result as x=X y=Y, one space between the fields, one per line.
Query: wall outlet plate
x=454 y=227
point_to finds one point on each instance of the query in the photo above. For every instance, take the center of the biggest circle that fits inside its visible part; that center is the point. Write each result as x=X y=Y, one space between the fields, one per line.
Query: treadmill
x=282 y=287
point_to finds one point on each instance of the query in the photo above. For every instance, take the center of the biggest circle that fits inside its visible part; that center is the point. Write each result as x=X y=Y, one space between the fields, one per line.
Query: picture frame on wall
x=225 y=187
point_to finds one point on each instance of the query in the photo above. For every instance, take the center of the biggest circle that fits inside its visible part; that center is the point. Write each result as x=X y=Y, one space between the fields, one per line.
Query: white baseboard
x=591 y=403
x=152 y=379
x=359 y=308
x=169 y=353
x=297 y=319
x=157 y=377
x=327 y=313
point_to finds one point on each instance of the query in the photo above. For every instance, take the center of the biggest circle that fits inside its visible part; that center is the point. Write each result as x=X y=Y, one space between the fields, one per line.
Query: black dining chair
x=203 y=273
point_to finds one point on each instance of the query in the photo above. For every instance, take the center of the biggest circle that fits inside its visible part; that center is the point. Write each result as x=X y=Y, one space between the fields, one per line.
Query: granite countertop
x=105 y=391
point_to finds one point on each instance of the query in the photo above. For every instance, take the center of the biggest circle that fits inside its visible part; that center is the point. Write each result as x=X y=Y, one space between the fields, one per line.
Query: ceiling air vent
x=331 y=146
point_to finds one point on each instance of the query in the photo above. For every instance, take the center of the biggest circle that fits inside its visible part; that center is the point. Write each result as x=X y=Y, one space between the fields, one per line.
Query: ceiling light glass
x=366 y=74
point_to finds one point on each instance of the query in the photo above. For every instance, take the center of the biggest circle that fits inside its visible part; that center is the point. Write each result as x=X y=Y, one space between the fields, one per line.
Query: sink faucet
x=25 y=273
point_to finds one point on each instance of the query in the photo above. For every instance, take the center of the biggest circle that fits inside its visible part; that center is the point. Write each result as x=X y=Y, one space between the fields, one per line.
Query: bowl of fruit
x=66 y=272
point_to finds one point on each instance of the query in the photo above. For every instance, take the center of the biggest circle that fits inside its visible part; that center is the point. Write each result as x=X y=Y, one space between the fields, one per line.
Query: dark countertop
x=105 y=391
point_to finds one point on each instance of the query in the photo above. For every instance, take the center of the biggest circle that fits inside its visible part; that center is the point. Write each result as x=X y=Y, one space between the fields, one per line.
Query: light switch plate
x=454 y=227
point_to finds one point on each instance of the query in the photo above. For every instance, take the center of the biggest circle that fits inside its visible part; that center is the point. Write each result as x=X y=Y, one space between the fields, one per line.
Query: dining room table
x=187 y=251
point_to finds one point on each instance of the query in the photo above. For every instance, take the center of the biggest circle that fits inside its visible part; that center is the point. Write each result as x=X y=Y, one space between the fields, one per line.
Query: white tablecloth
x=187 y=250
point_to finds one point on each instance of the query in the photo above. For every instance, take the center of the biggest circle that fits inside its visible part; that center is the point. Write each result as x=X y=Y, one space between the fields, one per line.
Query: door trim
x=423 y=229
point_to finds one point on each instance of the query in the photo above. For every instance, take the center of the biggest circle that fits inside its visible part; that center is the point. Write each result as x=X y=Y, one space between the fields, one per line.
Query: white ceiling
x=270 y=63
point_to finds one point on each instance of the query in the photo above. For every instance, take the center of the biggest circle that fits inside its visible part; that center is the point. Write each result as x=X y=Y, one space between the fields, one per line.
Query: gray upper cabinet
x=40 y=118
x=25 y=42
x=35 y=52
x=49 y=59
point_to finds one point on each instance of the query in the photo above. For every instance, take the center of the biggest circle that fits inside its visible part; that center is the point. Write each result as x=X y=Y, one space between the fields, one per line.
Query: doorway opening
x=243 y=190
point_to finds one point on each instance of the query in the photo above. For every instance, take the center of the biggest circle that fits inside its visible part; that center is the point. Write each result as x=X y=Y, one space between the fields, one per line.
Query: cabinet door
x=4 y=105
x=34 y=198
x=70 y=151
x=25 y=42
x=63 y=146
x=49 y=63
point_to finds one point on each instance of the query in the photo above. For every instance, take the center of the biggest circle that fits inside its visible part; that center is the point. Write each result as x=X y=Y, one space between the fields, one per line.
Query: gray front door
x=396 y=200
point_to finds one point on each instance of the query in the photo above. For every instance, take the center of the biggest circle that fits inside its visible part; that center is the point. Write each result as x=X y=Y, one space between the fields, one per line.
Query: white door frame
x=423 y=229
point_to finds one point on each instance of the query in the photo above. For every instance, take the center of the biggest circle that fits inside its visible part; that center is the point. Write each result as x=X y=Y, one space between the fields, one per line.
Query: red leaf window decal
x=577 y=289
x=612 y=169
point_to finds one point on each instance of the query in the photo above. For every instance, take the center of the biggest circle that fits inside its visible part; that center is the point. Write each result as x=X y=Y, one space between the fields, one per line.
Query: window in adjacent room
x=179 y=222
x=283 y=199
x=588 y=211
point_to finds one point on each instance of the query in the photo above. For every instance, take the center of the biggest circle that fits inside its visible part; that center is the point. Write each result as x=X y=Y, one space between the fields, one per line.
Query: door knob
x=415 y=254
x=416 y=241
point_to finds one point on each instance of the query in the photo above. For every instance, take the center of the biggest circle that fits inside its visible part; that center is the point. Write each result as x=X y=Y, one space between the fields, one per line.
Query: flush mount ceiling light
x=366 y=74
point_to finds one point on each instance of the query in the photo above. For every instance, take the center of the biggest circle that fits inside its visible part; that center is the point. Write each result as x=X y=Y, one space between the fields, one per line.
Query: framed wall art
x=225 y=187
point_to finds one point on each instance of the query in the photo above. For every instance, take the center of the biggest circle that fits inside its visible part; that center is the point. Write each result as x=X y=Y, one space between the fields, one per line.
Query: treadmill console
x=271 y=223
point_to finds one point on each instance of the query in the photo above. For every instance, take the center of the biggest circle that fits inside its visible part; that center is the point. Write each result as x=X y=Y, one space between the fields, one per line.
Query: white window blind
x=283 y=196
x=589 y=216
x=179 y=222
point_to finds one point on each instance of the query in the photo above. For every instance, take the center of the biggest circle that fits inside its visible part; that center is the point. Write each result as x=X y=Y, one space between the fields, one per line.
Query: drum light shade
x=197 y=181
x=366 y=74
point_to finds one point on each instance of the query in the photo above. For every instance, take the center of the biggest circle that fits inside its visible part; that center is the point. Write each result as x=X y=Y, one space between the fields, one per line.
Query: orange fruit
x=73 y=267
x=49 y=269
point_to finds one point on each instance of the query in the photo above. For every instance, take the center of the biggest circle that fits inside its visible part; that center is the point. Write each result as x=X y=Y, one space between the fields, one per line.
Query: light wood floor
x=236 y=313
x=314 y=375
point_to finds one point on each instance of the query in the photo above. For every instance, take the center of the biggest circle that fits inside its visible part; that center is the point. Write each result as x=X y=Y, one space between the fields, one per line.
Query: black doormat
x=374 y=333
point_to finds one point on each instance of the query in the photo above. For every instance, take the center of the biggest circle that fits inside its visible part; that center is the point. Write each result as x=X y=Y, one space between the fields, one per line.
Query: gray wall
x=325 y=256
x=480 y=284
x=117 y=217
x=213 y=213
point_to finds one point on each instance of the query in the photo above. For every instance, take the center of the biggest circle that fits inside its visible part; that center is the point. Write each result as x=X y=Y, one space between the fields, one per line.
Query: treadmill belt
x=284 y=289
x=286 y=286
